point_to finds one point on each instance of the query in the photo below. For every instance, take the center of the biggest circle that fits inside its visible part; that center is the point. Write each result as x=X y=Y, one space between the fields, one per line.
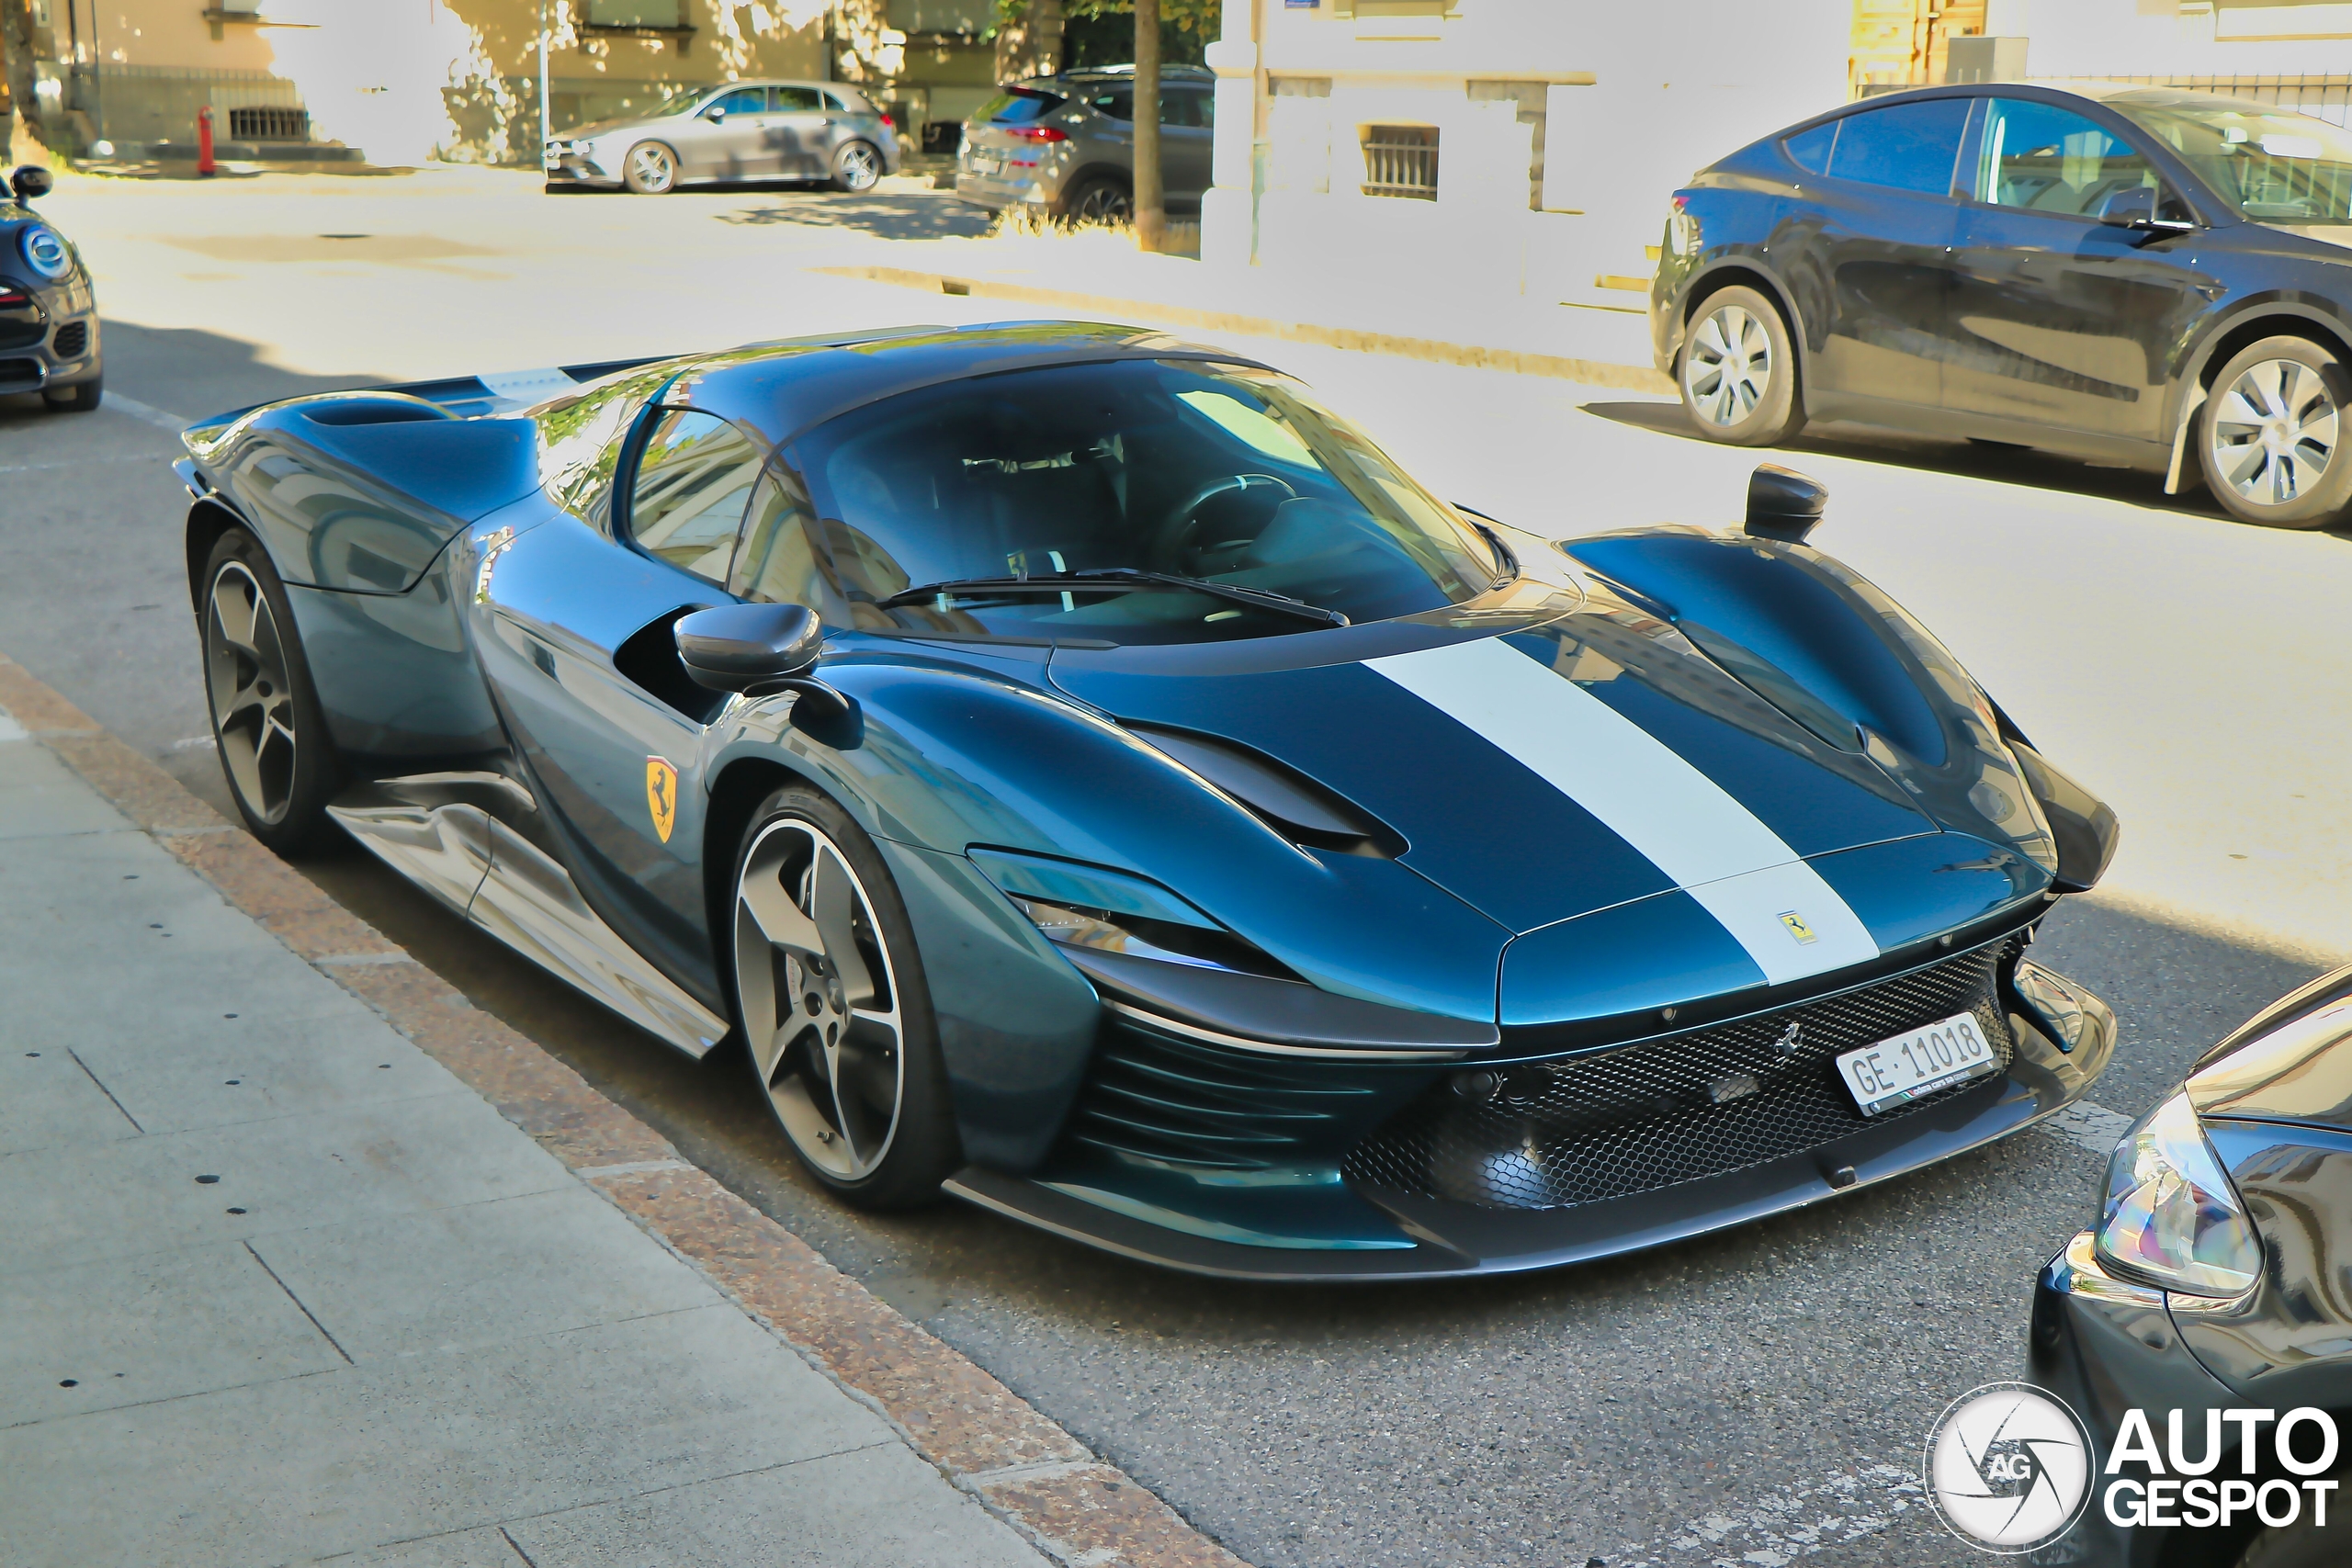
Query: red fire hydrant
x=204 y=165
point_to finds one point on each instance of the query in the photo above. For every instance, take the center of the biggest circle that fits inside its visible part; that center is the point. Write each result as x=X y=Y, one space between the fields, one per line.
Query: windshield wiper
x=1118 y=577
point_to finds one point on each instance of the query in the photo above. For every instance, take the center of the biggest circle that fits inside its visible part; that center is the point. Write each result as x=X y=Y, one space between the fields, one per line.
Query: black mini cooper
x=2135 y=276
x=49 y=314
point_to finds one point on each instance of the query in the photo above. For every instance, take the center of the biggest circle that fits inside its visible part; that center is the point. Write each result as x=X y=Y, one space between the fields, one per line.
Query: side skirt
x=513 y=890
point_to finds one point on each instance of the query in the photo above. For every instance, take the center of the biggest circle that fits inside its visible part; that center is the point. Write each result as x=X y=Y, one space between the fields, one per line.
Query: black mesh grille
x=1166 y=1099
x=1618 y=1121
x=71 y=339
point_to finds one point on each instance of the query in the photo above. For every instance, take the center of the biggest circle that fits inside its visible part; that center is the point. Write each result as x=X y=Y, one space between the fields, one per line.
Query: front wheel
x=267 y=722
x=856 y=168
x=829 y=995
x=79 y=400
x=2270 y=432
x=1739 y=371
x=650 y=169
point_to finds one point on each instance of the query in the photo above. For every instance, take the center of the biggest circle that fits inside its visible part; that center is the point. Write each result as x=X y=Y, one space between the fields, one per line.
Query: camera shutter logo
x=2008 y=1468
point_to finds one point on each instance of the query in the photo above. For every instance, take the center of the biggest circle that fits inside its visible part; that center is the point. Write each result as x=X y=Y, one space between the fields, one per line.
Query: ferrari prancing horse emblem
x=661 y=795
x=1789 y=917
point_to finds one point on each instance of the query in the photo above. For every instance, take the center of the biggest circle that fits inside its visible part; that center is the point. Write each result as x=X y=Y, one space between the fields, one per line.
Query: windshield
x=2273 y=166
x=677 y=103
x=1231 y=476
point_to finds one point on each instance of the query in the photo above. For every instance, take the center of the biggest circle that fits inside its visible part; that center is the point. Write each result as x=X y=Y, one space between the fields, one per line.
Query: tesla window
x=692 y=482
x=2277 y=167
x=2052 y=160
x=1904 y=146
x=1136 y=502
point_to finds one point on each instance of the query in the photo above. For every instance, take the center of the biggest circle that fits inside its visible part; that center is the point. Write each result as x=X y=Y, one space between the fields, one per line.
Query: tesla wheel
x=79 y=400
x=1739 y=371
x=271 y=736
x=856 y=168
x=2271 y=431
x=650 y=169
x=830 y=996
x=1099 y=199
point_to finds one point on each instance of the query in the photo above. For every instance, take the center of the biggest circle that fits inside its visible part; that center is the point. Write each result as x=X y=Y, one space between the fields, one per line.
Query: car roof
x=848 y=87
x=784 y=388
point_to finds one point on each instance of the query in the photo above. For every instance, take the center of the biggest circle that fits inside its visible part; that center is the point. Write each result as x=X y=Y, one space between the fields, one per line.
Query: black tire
x=2269 y=437
x=2300 y=1545
x=1099 y=198
x=78 y=399
x=649 y=169
x=798 y=1020
x=256 y=692
x=858 y=166
x=1738 y=371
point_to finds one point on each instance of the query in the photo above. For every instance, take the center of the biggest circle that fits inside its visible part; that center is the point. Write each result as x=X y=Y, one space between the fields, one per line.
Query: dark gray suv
x=1065 y=144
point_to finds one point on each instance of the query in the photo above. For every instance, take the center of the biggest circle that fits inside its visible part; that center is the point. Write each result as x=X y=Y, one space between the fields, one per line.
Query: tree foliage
x=1202 y=19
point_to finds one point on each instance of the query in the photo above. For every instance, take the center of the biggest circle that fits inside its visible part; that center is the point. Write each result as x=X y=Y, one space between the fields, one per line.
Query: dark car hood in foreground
x=1588 y=780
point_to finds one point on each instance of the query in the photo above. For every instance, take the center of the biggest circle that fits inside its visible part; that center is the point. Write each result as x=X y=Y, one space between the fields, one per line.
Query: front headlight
x=2173 y=1219
x=46 y=252
x=1139 y=937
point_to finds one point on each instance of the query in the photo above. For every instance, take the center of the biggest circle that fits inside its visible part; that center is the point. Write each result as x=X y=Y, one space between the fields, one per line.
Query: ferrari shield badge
x=661 y=795
x=1789 y=917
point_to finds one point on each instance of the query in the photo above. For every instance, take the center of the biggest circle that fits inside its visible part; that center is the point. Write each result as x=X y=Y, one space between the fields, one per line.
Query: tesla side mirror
x=741 y=648
x=28 y=183
x=2134 y=207
x=1783 y=505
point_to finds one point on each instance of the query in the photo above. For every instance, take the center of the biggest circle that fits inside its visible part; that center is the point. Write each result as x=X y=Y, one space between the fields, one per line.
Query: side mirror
x=2134 y=207
x=30 y=182
x=742 y=647
x=714 y=114
x=1783 y=505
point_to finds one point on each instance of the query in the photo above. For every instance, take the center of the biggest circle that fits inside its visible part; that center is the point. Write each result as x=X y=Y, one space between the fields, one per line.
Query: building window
x=1400 y=160
x=660 y=15
x=269 y=125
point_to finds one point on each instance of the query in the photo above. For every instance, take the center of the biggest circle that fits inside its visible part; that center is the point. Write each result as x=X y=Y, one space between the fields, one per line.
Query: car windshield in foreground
x=1133 y=502
x=2274 y=165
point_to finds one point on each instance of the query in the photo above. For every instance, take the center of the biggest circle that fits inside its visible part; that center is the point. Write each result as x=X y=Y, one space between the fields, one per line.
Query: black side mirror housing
x=28 y=183
x=1784 y=504
x=739 y=647
x=2134 y=207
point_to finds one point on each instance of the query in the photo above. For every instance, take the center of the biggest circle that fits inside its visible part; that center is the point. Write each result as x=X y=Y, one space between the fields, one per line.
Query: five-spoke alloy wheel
x=830 y=994
x=1738 y=371
x=2273 y=423
x=856 y=168
x=650 y=169
x=265 y=722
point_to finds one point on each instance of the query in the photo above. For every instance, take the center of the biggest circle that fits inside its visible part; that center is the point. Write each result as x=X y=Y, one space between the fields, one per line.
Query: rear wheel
x=267 y=722
x=78 y=399
x=1099 y=199
x=858 y=166
x=650 y=169
x=2271 y=432
x=1739 y=371
x=830 y=993
x=2303 y=1544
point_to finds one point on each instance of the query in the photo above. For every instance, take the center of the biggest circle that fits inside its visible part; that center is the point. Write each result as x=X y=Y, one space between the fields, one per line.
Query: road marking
x=2090 y=1126
x=145 y=413
x=10 y=729
x=1689 y=827
x=1787 y=1522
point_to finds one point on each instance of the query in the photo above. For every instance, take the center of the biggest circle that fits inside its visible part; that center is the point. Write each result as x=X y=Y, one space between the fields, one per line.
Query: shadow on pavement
x=893 y=217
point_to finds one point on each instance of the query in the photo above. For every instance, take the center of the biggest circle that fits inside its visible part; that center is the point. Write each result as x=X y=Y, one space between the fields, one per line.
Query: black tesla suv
x=2133 y=276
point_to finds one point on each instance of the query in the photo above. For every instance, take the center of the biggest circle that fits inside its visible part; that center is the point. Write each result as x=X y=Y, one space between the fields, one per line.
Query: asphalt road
x=1728 y=1399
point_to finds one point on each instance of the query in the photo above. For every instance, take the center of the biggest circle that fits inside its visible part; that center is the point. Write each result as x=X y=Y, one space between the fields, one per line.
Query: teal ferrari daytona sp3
x=1077 y=770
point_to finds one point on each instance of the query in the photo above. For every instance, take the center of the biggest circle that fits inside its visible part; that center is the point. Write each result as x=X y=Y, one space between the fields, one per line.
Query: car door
x=574 y=626
x=804 y=132
x=1881 y=232
x=2062 y=320
x=730 y=138
x=1187 y=140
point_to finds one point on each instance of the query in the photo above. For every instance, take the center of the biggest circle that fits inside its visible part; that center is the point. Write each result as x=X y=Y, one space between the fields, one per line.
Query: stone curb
x=984 y=1437
x=1590 y=372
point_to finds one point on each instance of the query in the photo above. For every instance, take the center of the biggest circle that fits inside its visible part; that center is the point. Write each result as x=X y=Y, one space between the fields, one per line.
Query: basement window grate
x=1400 y=160
x=269 y=125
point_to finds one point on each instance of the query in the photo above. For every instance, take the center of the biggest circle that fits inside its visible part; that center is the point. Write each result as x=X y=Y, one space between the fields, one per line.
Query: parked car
x=49 y=313
x=1067 y=145
x=738 y=131
x=1089 y=774
x=2135 y=276
x=2215 y=1280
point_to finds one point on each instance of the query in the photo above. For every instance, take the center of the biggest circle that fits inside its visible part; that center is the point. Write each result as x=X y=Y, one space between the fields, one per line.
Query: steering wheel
x=1175 y=534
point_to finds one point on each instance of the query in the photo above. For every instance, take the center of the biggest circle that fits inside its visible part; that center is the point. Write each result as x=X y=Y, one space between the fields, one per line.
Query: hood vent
x=1292 y=805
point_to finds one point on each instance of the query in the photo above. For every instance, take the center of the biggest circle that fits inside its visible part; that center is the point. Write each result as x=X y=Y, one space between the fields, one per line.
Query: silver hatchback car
x=1067 y=143
x=737 y=130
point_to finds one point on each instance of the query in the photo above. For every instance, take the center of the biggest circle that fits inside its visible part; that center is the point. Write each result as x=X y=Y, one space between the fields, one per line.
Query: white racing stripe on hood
x=1715 y=849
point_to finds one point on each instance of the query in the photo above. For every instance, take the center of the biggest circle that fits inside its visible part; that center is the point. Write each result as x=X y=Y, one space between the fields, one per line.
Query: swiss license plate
x=1895 y=1071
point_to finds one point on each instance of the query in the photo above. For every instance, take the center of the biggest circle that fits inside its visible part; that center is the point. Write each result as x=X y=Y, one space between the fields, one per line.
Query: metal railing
x=1400 y=160
x=2325 y=97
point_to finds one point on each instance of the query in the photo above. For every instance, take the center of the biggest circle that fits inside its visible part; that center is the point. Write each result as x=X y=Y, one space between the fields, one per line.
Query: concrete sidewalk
x=278 y=1287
